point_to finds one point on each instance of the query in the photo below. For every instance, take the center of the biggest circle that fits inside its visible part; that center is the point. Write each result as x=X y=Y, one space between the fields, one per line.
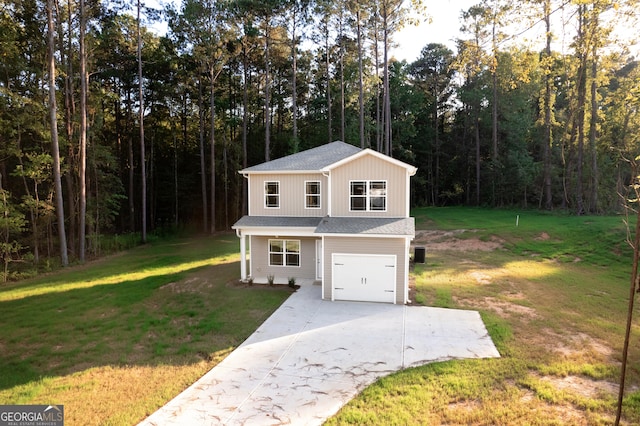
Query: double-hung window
x=368 y=195
x=312 y=194
x=284 y=252
x=272 y=194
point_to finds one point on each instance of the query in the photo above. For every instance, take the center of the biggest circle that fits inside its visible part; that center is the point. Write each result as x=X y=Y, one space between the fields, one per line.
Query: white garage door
x=364 y=277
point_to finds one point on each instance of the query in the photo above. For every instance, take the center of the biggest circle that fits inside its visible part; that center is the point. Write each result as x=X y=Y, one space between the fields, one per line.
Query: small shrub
x=292 y=282
x=270 y=279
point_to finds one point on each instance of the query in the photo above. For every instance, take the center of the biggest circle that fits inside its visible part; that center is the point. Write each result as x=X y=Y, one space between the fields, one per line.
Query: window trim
x=284 y=253
x=267 y=195
x=368 y=196
x=318 y=195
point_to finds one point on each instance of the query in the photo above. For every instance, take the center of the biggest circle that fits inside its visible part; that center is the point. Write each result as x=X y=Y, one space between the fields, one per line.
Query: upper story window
x=312 y=194
x=368 y=195
x=272 y=194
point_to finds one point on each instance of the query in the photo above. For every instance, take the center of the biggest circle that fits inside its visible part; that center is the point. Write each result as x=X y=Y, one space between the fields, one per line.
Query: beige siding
x=260 y=268
x=370 y=168
x=364 y=245
x=292 y=191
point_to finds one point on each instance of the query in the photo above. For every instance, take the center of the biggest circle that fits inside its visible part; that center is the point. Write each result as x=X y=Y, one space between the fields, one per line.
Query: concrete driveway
x=312 y=356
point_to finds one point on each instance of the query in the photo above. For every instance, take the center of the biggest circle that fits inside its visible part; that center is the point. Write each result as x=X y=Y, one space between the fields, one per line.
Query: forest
x=109 y=127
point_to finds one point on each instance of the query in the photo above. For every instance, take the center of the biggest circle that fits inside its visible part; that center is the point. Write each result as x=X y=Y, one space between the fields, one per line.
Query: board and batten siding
x=366 y=245
x=370 y=168
x=260 y=268
x=292 y=193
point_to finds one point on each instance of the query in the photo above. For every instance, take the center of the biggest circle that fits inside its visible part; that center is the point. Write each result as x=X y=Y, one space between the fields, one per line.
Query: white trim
x=278 y=172
x=367 y=195
x=243 y=257
x=329 y=192
x=368 y=151
x=319 y=194
x=266 y=195
x=319 y=259
x=407 y=186
x=322 y=290
x=395 y=275
x=407 y=249
x=284 y=253
x=279 y=232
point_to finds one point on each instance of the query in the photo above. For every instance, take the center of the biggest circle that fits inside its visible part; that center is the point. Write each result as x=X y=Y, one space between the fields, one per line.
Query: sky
x=444 y=28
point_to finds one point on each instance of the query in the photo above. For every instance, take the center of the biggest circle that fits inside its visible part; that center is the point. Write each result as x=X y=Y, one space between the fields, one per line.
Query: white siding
x=292 y=190
x=369 y=168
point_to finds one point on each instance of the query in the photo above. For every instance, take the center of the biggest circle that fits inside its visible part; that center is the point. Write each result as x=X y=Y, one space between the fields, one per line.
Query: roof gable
x=314 y=159
x=411 y=169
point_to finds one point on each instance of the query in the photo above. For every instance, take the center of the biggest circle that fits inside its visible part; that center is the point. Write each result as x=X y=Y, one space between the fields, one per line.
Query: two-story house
x=337 y=214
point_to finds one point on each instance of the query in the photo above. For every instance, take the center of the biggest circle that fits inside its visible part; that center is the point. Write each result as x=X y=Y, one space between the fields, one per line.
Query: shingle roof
x=334 y=225
x=312 y=159
x=277 y=221
x=367 y=225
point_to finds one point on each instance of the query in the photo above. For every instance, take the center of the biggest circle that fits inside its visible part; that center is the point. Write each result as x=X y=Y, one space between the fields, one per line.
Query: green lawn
x=115 y=339
x=554 y=297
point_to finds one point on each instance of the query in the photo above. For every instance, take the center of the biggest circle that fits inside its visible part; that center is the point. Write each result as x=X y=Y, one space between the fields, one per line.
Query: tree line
x=109 y=128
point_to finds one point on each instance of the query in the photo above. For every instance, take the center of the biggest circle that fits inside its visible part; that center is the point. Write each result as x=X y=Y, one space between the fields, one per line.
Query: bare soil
x=454 y=240
x=566 y=346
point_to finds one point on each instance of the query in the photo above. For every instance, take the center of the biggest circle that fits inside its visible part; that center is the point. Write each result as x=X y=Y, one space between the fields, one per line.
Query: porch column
x=243 y=256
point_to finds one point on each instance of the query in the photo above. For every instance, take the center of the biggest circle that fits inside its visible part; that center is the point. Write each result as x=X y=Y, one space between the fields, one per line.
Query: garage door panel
x=363 y=277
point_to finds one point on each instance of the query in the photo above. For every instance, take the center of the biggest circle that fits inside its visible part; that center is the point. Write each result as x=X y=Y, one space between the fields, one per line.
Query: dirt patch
x=579 y=345
x=506 y=309
x=582 y=386
x=542 y=237
x=449 y=240
x=480 y=277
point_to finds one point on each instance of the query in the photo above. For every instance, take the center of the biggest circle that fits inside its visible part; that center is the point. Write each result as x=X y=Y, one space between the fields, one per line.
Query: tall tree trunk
x=130 y=157
x=245 y=121
x=55 y=147
x=213 y=149
x=387 y=95
x=66 y=56
x=378 y=105
x=341 y=36
x=476 y=124
x=582 y=93
x=548 y=81
x=328 y=69
x=203 y=167
x=83 y=134
x=294 y=82
x=436 y=125
x=143 y=171
x=174 y=137
x=360 y=78
x=267 y=93
x=593 y=126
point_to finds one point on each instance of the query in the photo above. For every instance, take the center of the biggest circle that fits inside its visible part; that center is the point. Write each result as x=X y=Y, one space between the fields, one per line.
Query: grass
x=115 y=339
x=554 y=299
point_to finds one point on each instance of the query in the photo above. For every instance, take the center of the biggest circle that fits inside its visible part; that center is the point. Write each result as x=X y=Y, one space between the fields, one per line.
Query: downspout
x=328 y=176
x=243 y=242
